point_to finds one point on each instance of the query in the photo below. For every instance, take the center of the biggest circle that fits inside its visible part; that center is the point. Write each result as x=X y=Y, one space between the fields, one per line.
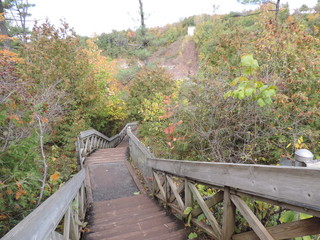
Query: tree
x=18 y=10
x=277 y=4
x=304 y=8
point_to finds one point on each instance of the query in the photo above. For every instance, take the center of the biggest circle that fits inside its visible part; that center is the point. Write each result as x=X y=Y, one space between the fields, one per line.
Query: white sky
x=88 y=17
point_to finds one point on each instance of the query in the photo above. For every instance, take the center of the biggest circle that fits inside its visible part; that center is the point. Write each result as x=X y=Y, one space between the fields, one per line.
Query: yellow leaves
x=300 y=143
x=2 y=18
x=54 y=159
x=55 y=176
x=3 y=217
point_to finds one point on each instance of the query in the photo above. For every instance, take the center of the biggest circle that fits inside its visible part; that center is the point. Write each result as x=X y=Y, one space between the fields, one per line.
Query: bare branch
x=45 y=166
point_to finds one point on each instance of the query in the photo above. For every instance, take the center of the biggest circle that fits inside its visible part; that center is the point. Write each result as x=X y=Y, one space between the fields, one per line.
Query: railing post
x=66 y=223
x=229 y=211
x=188 y=198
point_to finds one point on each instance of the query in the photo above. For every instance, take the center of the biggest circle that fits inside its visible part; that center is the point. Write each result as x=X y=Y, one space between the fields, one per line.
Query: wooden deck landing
x=118 y=213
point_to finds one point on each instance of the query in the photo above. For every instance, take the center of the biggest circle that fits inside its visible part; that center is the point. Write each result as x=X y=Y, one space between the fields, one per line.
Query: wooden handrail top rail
x=40 y=223
x=294 y=185
x=90 y=132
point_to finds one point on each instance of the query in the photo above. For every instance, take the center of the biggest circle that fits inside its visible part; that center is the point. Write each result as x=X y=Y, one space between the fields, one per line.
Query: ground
x=180 y=58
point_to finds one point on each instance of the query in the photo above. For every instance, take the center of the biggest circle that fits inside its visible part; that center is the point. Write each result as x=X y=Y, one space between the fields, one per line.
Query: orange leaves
x=14 y=117
x=45 y=120
x=9 y=192
x=9 y=56
x=3 y=217
x=4 y=37
x=20 y=191
x=169 y=130
x=167 y=100
x=55 y=176
x=166 y=115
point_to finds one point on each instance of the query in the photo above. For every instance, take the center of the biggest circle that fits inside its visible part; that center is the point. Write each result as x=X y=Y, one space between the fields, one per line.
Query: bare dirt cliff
x=180 y=58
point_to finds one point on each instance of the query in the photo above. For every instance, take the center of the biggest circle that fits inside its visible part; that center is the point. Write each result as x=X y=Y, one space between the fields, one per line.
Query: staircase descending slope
x=116 y=213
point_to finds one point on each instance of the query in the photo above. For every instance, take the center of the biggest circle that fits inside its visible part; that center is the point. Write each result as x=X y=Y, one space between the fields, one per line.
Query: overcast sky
x=98 y=16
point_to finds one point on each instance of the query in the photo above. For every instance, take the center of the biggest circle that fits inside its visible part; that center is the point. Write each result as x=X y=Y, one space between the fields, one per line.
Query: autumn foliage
x=53 y=87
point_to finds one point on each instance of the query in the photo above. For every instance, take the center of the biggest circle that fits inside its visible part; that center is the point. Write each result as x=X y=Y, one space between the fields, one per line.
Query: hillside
x=179 y=58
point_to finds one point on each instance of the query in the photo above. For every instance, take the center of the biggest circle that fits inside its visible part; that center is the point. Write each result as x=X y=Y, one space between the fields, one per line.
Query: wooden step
x=134 y=226
x=126 y=220
x=132 y=233
x=136 y=217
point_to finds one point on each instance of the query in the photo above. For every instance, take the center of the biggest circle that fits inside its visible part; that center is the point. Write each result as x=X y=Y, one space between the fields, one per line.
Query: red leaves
x=166 y=115
x=169 y=130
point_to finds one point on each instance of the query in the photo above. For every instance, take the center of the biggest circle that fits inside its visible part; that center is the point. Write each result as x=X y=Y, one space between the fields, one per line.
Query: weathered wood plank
x=180 y=188
x=66 y=223
x=159 y=184
x=188 y=198
x=73 y=226
x=213 y=222
x=300 y=228
x=218 y=197
x=253 y=221
x=282 y=181
x=56 y=236
x=176 y=194
x=229 y=212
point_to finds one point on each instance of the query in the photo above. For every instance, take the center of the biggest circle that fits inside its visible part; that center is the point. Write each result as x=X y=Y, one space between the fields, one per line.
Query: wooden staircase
x=121 y=214
x=137 y=217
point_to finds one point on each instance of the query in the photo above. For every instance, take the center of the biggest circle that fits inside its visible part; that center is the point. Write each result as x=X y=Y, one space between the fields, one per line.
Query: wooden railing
x=91 y=140
x=66 y=208
x=176 y=184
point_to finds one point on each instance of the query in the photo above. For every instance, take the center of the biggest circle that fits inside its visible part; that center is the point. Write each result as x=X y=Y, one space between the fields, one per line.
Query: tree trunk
x=277 y=8
x=143 y=26
x=3 y=27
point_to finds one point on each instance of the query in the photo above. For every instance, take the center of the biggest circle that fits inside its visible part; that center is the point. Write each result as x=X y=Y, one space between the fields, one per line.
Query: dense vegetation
x=255 y=99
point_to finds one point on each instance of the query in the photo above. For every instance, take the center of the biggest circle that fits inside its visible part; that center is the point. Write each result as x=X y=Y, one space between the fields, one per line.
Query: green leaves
x=192 y=235
x=249 y=88
x=249 y=63
x=288 y=216
x=187 y=211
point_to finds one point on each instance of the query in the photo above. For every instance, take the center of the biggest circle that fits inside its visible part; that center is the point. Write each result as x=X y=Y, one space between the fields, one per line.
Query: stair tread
x=159 y=230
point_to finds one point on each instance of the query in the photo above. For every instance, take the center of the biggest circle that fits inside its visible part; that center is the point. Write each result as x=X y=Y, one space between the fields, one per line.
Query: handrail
x=175 y=184
x=278 y=183
x=91 y=140
x=42 y=222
